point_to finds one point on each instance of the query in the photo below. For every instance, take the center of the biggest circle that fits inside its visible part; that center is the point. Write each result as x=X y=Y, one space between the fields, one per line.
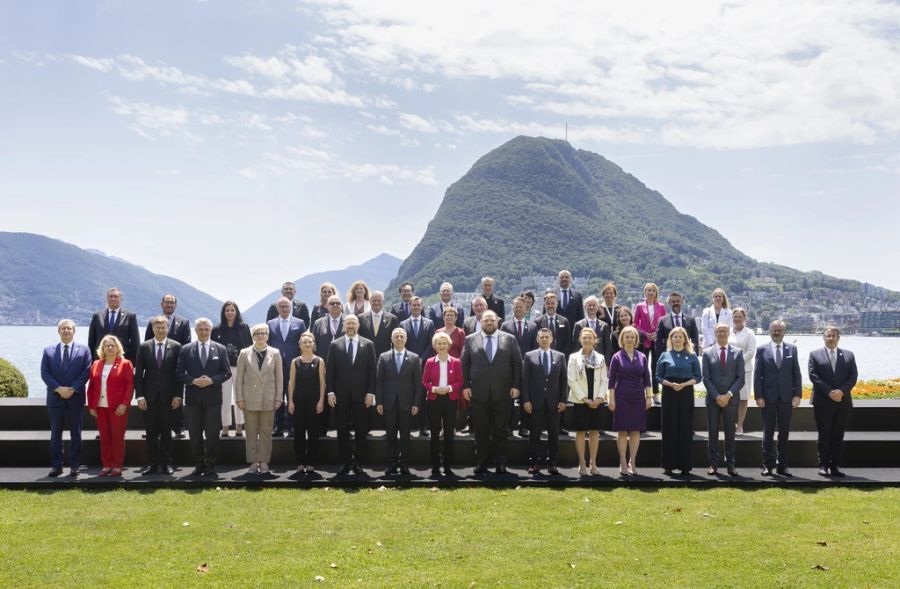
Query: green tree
x=12 y=381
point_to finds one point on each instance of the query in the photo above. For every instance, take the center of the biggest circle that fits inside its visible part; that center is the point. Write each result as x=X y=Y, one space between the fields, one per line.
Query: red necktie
x=722 y=357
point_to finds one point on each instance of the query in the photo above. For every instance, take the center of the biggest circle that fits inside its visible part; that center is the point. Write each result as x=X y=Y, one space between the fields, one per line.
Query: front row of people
x=351 y=380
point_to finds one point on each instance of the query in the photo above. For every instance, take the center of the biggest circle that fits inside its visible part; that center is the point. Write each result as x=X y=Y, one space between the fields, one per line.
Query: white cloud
x=415 y=122
x=151 y=121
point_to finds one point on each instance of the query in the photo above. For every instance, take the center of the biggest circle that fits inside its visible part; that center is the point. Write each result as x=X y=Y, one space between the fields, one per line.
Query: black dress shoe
x=345 y=470
x=766 y=471
x=823 y=471
x=424 y=433
x=481 y=469
x=553 y=470
x=404 y=471
x=667 y=472
x=435 y=472
x=357 y=470
x=712 y=470
x=209 y=471
x=391 y=471
x=74 y=471
x=168 y=469
x=197 y=472
x=732 y=472
x=835 y=472
x=148 y=470
x=523 y=433
x=783 y=471
x=177 y=433
x=501 y=469
x=534 y=469
x=563 y=432
x=448 y=472
x=55 y=471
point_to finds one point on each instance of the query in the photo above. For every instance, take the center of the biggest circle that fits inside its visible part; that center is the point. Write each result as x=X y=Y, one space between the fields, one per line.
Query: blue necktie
x=398 y=360
x=350 y=349
x=416 y=327
x=66 y=357
x=203 y=355
x=489 y=348
x=112 y=321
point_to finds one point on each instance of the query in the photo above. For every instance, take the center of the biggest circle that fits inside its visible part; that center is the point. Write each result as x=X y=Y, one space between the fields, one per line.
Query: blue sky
x=237 y=144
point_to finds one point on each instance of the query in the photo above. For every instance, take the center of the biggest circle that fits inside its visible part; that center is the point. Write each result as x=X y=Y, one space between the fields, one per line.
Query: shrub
x=12 y=381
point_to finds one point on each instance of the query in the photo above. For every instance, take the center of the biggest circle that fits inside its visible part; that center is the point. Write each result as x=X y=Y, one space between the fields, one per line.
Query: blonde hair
x=351 y=295
x=654 y=287
x=724 y=297
x=259 y=327
x=120 y=351
x=441 y=336
x=629 y=329
x=688 y=346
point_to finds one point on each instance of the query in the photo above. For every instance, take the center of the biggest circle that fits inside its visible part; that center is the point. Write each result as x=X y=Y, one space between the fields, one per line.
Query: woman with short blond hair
x=258 y=387
x=678 y=370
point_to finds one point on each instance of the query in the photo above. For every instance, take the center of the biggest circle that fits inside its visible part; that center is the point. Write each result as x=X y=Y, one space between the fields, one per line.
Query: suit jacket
x=644 y=324
x=824 y=379
x=604 y=316
x=604 y=343
x=289 y=347
x=574 y=312
x=157 y=383
x=119 y=384
x=402 y=388
x=562 y=338
x=74 y=375
x=470 y=324
x=324 y=336
x=398 y=311
x=578 y=383
x=667 y=324
x=528 y=341
x=300 y=311
x=431 y=377
x=773 y=383
x=318 y=311
x=718 y=380
x=539 y=387
x=494 y=304
x=491 y=381
x=349 y=378
x=383 y=340
x=257 y=387
x=126 y=329
x=189 y=367
x=179 y=330
x=436 y=314
x=420 y=346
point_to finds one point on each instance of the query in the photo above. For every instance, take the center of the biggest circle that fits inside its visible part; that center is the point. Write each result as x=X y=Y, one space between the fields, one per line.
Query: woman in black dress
x=306 y=401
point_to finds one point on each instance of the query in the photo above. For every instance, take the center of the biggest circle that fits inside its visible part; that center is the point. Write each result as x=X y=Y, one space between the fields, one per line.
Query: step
x=861 y=449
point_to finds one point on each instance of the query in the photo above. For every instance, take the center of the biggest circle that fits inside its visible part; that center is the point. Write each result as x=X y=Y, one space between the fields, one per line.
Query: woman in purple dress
x=629 y=397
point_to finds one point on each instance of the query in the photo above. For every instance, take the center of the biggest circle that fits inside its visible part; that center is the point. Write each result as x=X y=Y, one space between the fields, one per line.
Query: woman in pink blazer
x=646 y=318
x=109 y=392
x=442 y=379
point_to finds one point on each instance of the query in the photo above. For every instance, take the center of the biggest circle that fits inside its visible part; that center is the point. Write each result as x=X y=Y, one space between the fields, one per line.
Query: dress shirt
x=104 y=402
x=442 y=380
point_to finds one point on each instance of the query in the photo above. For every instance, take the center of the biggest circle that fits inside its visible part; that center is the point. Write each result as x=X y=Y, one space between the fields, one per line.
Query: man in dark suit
x=436 y=311
x=544 y=392
x=378 y=325
x=419 y=332
x=472 y=323
x=493 y=303
x=158 y=393
x=571 y=305
x=525 y=332
x=557 y=324
x=398 y=396
x=203 y=367
x=676 y=318
x=723 y=378
x=777 y=387
x=298 y=308
x=179 y=327
x=492 y=374
x=592 y=319
x=180 y=331
x=116 y=321
x=350 y=383
x=400 y=310
x=65 y=369
x=325 y=330
x=284 y=335
x=833 y=374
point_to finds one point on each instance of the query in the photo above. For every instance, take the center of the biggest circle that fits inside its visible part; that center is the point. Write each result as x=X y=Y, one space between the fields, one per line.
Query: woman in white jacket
x=587 y=391
x=742 y=337
x=716 y=313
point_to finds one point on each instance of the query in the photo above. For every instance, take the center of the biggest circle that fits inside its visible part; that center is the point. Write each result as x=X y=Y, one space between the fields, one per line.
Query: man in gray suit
x=284 y=335
x=777 y=387
x=723 y=377
x=492 y=374
x=398 y=396
x=472 y=324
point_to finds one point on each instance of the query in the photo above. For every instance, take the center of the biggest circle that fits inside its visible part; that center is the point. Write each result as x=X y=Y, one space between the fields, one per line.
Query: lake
x=876 y=357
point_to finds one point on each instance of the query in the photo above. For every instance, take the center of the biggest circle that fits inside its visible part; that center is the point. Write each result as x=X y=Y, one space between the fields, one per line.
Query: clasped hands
x=65 y=392
x=467 y=394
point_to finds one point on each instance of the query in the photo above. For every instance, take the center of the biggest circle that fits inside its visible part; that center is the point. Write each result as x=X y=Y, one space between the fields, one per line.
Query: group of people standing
x=439 y=368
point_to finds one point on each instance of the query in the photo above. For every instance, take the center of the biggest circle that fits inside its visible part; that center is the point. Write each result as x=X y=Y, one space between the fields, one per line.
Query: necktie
x=489 y=348
x=398 y=359
x=376 y=323
x=593 y=325
x=112 y=321
x=416 y=327
x=546 y=363
x=334 y=325
x=159 y=355
x=405 y=309
x=66 y=357
x=350 y=349
x=833 y=355
x=203 y=354
x=285 y=328
x=565 y=300
x=553 y=325
x=778 y=355
x=722 y=357
x=677 y=320
x=520 y=328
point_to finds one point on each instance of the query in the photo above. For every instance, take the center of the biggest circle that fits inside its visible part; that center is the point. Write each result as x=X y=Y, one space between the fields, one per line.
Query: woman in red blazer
x=647 y=314
x=109 y=392
x=442 y=379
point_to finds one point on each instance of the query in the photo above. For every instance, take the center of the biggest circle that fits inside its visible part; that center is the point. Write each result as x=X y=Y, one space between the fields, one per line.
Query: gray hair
x=202 y=321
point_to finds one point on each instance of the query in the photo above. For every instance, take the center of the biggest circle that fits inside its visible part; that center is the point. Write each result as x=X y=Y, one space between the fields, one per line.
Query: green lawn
x=451 y=538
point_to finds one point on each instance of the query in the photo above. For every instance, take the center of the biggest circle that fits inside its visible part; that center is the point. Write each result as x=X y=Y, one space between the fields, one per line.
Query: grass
x=451 y=538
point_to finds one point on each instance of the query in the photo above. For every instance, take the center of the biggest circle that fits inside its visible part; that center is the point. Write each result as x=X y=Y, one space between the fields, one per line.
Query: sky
x=236 y=144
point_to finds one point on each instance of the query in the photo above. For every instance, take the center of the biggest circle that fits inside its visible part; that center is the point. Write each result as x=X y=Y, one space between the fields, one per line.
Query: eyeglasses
x=334 y=304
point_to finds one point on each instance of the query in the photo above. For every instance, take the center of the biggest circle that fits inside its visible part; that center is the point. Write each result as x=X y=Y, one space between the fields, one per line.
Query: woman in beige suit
x=257 y=391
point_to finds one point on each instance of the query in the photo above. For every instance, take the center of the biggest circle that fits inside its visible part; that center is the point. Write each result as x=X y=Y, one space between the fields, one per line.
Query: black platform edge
x=651 y=478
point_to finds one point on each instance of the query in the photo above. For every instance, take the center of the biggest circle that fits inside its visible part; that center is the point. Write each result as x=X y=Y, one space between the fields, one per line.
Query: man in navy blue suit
x=777 y=386
x=436 y=311
x=284 y=335
x=833 y=374
x=419 y=332
x=400 y=309
x=65 y=368
x=114 y=320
